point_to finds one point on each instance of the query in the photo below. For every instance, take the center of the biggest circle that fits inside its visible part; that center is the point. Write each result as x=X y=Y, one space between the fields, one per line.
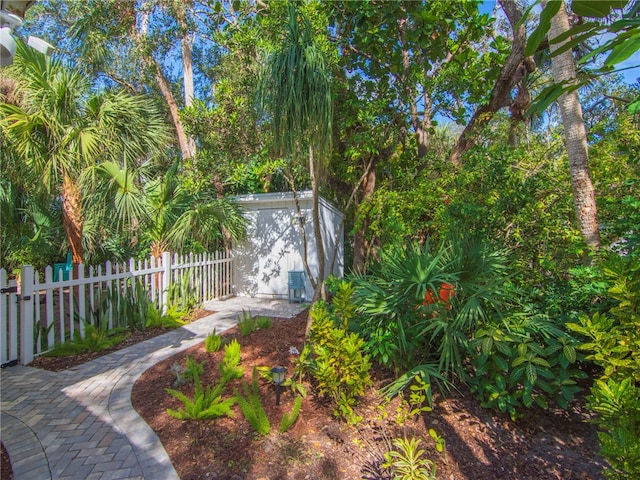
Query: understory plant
x=230 y=367
x=246 y=323
x=251 y=405
x=183 y=294
x=289 y=419
x=206 y=403
x=170 y=319
x=419 y=305
x=407 y=461
x=613 y=343
x=523 y=359
x=96 y=339
x=213 y=342
x=335 y=358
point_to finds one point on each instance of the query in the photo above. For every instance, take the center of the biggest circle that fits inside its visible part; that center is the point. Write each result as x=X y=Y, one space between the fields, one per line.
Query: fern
x=251 y=406
x=229 y=368
x=213 y=342
x=206 y=403
x=288 y=419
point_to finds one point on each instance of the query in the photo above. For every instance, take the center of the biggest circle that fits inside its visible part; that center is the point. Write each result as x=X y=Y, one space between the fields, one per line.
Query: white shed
x=274 y=245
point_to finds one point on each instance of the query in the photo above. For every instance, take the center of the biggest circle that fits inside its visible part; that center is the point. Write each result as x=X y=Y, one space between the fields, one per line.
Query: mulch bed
x=480 y=444
x=57 y=364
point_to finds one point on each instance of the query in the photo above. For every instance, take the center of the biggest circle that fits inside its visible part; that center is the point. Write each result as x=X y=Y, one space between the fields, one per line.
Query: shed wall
x=274 y=243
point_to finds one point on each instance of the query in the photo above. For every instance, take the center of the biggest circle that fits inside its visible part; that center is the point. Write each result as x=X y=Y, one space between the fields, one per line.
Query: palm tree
x=575 y=134
x=167 y=214
x=296 y=94
x=60 y=128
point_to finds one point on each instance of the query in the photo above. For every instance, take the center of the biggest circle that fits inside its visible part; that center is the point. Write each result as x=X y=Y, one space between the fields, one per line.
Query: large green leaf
x=623 y=50
x=540 y=32
x=596 y=8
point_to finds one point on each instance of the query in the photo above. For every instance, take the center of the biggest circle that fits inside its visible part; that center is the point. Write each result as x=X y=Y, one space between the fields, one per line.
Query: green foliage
x=407 y=461
x=438 y=439
x=338 y=366
x=96 y=339
x=229 y=368
x=122 y=308
x=193 y=370
x=343 y=304
x=617 y=402
x=289 y=419
x=246 y=323
x=418 y=305
x=171 y=319
x=183 y=294
x=206 y=403
x=523 y=359
x=613 y=337
x=251 y=406
x=213 y=342
x=264 y=322
x=416 y=401
x=178 y=371
x=613 y=343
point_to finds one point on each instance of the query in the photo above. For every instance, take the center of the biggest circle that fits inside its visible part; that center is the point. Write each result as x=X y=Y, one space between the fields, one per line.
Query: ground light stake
x=278 y=374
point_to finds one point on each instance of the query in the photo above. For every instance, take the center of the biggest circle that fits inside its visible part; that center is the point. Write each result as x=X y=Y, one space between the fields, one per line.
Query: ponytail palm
x=296 y=94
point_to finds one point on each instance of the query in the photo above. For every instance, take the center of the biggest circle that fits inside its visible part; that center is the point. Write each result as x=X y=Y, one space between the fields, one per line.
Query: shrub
x=523 y=359
x=613 y=343
x=338 y=366
x=419 y=305
x=617 y=403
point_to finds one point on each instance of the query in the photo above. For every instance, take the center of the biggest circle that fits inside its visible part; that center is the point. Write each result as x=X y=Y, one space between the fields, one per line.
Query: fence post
x=166 y=280
x=26 y=315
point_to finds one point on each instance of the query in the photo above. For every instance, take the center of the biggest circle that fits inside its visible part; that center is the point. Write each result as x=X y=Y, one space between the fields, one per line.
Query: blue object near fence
x=61 y=270
x=296 y=286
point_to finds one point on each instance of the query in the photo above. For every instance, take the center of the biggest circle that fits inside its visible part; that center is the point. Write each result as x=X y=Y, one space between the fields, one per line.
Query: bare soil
x=480 y=444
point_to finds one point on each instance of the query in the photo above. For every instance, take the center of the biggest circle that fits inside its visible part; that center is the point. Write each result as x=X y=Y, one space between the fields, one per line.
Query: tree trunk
x=72 y=218
x=359 y=241
x=512 y=72
x=140 y=32
x=575 y=136
x=317 y=228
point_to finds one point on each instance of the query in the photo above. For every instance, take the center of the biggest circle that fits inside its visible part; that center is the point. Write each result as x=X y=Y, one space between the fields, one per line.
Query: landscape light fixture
x=278 y=374
x=11 y=15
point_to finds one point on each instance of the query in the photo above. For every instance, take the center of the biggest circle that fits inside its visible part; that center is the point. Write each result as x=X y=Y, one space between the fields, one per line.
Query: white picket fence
x=39 y=312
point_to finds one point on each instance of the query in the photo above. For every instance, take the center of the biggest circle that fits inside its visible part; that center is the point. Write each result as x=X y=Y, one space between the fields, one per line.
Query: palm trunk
x=575 y=136
x=72 y=217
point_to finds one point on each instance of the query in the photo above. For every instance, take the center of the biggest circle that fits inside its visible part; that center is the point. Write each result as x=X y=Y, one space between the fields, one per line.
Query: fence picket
x=54 y=307
x=48 y=278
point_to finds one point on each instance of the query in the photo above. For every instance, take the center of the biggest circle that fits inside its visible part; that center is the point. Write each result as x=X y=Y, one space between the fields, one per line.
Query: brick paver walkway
x=79 y=424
